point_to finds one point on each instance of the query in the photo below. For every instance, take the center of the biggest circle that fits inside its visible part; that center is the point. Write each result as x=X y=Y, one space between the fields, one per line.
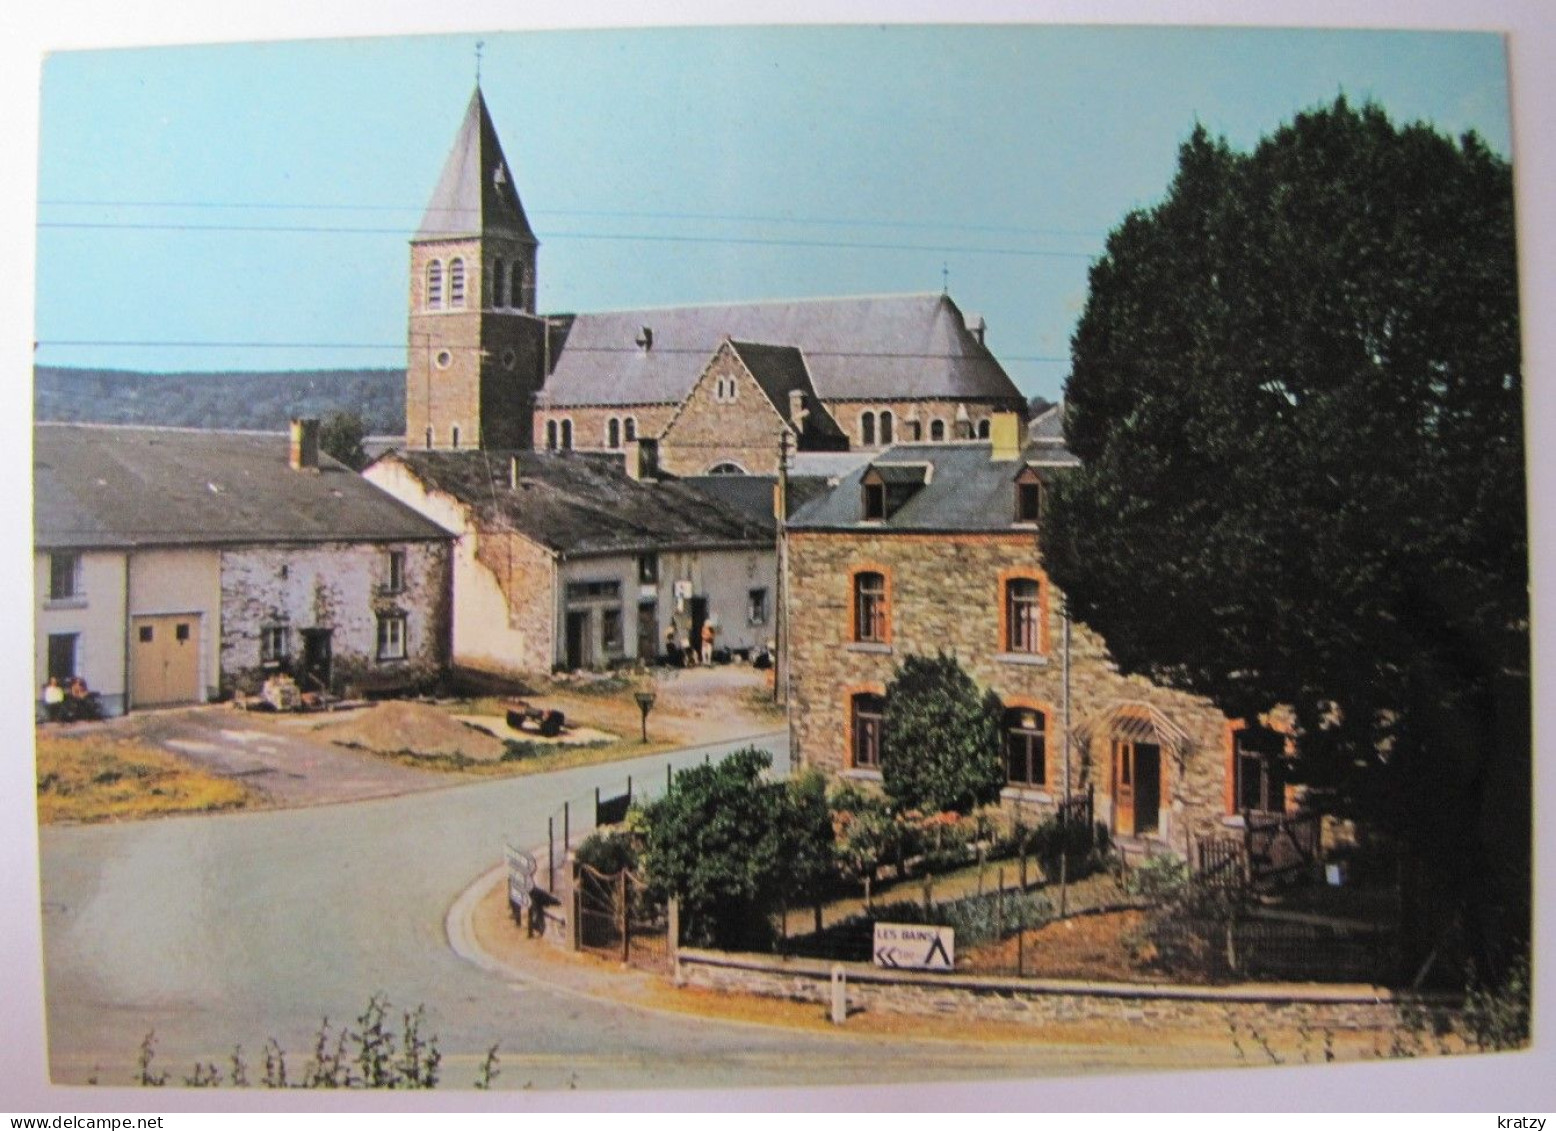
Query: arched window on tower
x=499 y=284
x=434 y=284
x=983 y=429
x=937 y=431
x=456 y=282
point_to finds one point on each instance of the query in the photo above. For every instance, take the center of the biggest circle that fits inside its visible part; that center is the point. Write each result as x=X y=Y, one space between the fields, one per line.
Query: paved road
x=231 y=929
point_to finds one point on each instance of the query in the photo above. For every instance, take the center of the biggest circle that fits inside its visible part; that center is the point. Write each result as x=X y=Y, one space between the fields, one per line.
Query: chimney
x=1005 y=432
x=645 y=339
x=304 y=454
x=797 y=410
x=642 y=459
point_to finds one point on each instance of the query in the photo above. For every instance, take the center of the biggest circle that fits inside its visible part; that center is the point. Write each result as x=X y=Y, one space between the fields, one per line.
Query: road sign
x=912 y=946
x=518 y=861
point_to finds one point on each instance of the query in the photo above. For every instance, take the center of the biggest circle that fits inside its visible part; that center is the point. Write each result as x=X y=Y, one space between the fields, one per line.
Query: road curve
x=231 y=929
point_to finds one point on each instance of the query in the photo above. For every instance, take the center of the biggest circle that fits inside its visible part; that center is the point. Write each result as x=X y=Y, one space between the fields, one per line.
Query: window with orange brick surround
x=869 y=604
x=1026 y=745
x=865 y=704
x=1023 y=612
x=1273 y=781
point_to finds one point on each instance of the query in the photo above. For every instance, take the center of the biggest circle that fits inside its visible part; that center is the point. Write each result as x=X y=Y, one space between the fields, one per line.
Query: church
x=717 y=387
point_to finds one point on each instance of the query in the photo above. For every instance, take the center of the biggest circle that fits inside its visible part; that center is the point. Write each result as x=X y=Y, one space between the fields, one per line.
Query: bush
x=733 y=847
x=609 y=852
x=940 y=750
x=1161 y=879
x=1496 y=1017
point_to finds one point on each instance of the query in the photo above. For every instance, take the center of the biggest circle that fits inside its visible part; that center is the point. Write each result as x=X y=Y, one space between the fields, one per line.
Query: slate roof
x=780 y=371
x=107 y=487
x=1048 y=427
x=967 y=491
x=876 y=347
x=475 y=194
x=583 y=503
x=753 y=495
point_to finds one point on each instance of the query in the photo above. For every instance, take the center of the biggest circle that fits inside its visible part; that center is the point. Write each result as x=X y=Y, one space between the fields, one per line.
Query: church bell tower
x=476 y=348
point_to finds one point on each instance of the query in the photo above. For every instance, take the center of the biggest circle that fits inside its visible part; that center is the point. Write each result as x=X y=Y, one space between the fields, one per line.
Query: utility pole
x=781 y=604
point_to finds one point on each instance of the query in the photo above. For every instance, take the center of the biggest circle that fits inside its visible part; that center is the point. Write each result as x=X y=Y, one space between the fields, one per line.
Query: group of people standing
x=679 y=652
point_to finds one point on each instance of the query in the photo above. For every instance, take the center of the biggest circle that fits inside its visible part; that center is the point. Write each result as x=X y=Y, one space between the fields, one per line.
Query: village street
x=227 y=929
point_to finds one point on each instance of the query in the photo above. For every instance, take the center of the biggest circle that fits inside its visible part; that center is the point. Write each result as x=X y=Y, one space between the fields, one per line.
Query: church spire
x=476 y=195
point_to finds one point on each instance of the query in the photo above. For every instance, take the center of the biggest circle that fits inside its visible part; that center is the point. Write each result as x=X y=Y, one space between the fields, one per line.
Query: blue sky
x=659 y=167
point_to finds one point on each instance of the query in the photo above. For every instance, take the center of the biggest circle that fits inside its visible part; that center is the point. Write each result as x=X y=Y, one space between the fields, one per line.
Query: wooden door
x=164 y=660
x=1137 y=787
x=1124 y=788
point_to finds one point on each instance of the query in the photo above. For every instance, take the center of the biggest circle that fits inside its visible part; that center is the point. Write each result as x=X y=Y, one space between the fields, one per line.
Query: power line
x=688 y=352
x=639 y=214
x=746 y=241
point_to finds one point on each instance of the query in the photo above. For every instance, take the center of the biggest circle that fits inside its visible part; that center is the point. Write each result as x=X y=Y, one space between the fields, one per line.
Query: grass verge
x=103 y=779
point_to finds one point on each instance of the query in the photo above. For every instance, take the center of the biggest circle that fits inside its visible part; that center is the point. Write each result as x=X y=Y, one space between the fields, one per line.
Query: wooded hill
x=261 y=401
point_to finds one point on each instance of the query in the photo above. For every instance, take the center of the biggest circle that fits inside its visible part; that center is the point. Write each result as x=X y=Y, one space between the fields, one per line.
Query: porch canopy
x=1134 y=721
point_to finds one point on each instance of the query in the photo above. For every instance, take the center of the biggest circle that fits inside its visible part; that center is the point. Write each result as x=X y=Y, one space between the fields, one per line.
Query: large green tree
x=1297 y=401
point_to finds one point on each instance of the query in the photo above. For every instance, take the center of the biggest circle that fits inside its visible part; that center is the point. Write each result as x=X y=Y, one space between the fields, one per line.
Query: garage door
x=164 y=660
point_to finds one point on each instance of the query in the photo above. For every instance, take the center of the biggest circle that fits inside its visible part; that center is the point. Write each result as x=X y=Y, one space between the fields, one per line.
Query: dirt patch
x=411 y=728
x=1092 y=947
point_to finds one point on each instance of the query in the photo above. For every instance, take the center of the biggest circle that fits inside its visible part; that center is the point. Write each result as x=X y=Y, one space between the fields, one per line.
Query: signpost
x=521 y=879
x=914 y=946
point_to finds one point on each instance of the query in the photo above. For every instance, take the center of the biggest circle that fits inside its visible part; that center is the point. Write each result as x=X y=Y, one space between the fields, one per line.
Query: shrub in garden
x=733 y=847
x=941 y=749
x=608 y=851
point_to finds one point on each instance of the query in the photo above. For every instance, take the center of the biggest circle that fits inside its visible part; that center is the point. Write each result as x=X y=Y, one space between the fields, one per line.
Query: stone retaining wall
x=1034 y=1001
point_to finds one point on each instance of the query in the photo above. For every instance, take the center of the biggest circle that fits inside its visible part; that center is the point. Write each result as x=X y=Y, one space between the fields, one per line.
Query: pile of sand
x=395 y=727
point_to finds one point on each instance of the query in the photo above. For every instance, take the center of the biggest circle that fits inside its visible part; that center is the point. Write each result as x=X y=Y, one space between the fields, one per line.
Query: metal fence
x=615 y=917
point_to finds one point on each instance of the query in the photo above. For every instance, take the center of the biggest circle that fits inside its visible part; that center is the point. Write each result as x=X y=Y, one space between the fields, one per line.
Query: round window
x=444 y=359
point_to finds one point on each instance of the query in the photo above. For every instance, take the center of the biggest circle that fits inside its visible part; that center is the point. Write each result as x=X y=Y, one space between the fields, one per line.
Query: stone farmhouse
x=564 y=560
x=176 y=566
x=717 y=386
x=933 y=548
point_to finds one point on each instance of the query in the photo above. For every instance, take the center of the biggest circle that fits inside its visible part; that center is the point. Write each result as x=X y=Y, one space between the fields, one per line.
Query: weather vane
x=945 y=278
x=479 y=44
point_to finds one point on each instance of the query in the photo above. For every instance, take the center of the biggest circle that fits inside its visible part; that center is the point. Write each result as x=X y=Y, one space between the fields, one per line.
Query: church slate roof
x=583 y=503
x=896 y=347
x=114 y=487
x=476 y=194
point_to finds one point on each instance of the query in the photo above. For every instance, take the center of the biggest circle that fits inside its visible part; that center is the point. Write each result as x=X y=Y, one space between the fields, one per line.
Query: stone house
x=485 y=370
x=933 y=548
x=176 y=566
x=564 y=560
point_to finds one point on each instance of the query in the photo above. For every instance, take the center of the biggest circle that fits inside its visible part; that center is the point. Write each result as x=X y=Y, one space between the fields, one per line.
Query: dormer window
x=886 y=487
x=874 y=501
x=1029 y=496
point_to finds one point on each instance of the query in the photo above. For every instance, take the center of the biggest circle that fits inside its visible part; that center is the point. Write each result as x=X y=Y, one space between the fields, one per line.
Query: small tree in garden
x=941 y=747
x=732 y=847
